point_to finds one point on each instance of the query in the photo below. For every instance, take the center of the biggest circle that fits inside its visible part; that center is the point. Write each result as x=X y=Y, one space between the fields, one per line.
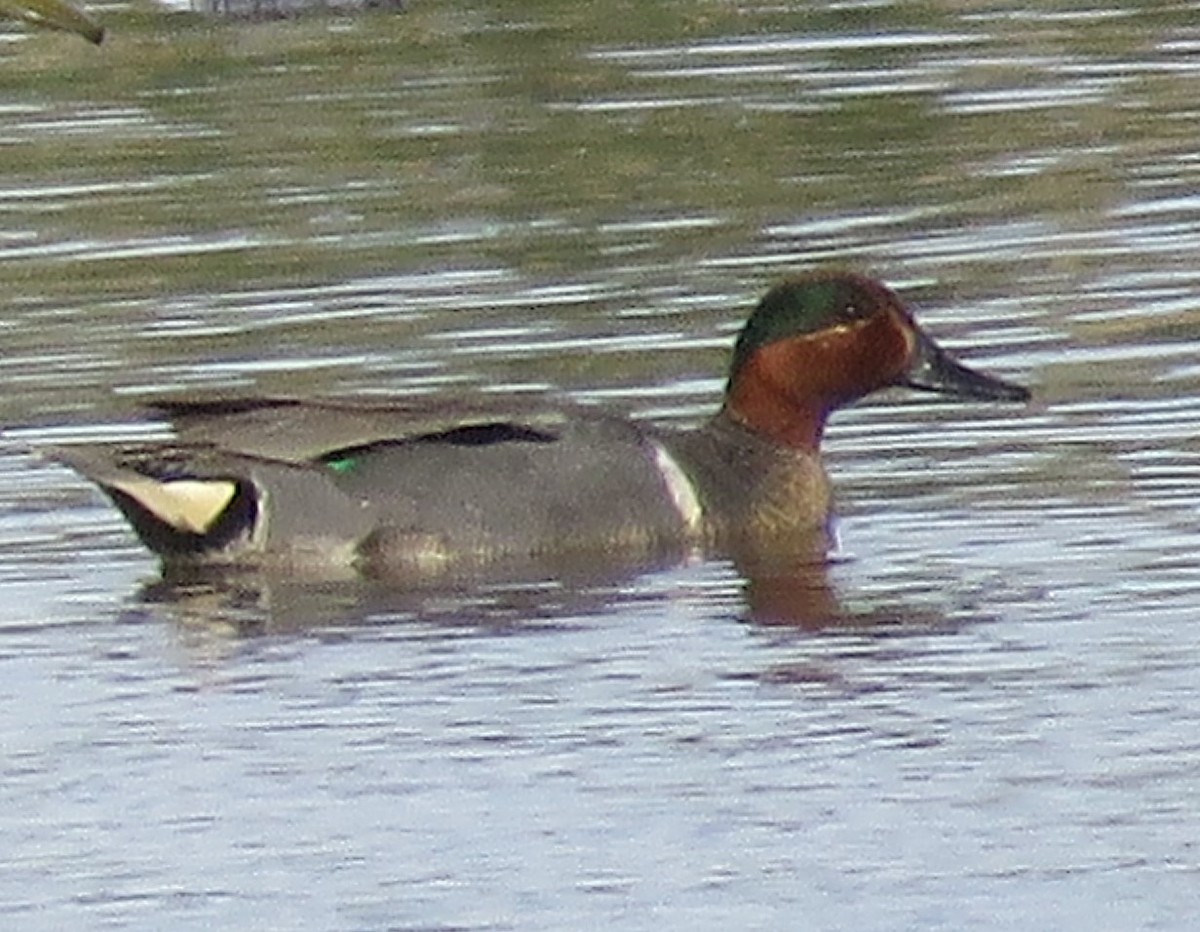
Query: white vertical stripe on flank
x=679 y=488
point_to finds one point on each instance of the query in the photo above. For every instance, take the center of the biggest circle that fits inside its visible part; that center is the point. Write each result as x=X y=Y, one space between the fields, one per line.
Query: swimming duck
x=54 y=14
x=394 y=486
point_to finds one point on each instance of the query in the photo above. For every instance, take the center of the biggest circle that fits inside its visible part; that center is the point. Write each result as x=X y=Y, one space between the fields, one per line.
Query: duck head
x=824 y=340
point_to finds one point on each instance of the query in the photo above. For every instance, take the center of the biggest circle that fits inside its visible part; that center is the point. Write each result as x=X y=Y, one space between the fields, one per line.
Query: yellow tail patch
x=191 y=505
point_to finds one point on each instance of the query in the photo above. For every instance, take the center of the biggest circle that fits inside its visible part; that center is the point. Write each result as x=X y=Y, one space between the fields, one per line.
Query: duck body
x=400 y=492
x=390 y=487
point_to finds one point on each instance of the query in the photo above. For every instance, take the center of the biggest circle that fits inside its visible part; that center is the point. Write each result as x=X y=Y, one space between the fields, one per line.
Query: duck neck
x=776 y=417
x=786 y=390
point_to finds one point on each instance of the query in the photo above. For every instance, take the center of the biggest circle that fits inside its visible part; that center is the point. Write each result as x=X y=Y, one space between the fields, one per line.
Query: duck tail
x=176 y=511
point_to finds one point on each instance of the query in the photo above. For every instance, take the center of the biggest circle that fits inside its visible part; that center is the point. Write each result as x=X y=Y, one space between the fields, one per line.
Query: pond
x=981 y=713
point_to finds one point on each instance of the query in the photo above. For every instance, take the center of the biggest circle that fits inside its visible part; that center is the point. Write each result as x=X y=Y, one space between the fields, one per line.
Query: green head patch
x=804 y=306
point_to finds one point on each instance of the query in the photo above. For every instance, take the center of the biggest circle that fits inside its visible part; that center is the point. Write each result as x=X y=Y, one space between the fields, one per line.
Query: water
x=981 y=714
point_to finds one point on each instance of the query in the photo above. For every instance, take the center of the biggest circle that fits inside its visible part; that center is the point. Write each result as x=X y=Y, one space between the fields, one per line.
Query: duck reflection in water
x=785 y=590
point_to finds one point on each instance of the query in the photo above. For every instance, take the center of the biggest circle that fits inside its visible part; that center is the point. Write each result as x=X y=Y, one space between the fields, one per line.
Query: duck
x=54 y=14
x=394 y=486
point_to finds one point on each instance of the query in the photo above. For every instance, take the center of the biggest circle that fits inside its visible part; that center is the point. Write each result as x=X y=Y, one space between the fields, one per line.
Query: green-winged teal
x=398 y=486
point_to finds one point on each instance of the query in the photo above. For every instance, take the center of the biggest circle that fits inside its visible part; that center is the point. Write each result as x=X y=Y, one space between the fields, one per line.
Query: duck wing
x=296 y=430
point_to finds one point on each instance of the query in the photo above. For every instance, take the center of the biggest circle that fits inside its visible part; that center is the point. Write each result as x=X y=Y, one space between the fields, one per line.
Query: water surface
x=981 y=714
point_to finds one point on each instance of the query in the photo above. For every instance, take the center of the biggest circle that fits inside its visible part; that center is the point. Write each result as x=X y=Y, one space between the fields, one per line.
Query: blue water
x=981 y=715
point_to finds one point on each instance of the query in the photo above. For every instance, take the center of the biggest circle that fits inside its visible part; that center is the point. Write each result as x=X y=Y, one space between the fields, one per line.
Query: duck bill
x=55 y=14
x=935 y=370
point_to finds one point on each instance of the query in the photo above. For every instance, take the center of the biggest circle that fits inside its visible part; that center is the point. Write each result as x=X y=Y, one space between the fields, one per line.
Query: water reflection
x=796 y=592
x=779 y=590
x=255 y=602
